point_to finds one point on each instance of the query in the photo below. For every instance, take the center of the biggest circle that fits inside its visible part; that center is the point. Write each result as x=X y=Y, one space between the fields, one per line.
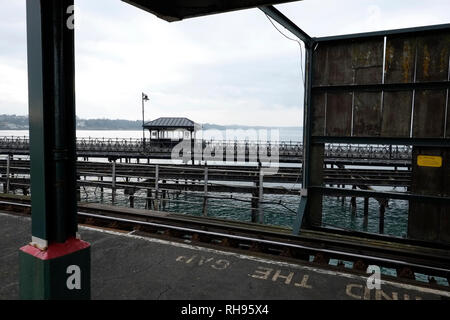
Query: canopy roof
x=175 y=10
x=171 y=123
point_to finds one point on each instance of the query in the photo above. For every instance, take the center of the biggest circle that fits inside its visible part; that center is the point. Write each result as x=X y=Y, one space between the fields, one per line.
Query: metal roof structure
x=176 y=10
x=171 y=123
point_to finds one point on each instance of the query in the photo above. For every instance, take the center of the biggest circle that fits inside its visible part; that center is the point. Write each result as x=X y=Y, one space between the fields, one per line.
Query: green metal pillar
x=56 y=264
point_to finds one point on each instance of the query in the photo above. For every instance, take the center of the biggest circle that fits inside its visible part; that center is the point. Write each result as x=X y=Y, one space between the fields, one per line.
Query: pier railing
x=135 y=146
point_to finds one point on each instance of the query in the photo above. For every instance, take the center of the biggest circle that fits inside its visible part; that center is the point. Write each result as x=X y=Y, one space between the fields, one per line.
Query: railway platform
x=134 y=266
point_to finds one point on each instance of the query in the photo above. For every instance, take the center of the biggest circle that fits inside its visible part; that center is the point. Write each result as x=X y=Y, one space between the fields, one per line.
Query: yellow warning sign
x=429 y=161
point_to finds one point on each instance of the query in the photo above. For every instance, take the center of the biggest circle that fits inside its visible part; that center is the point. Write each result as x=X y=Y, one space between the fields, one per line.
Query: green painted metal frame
x=55 y=250
x=51 y=70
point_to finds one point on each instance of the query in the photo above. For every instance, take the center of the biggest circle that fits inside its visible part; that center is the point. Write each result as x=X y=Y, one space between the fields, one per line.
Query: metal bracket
x=38 y=243
x=300 y=212
x=304 y=193
x=288 y=24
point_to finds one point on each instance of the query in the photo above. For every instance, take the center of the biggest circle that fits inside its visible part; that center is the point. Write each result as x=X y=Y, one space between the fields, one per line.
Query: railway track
x=339 y=250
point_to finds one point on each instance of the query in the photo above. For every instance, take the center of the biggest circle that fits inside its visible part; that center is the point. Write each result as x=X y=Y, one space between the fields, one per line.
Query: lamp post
x=144 y=99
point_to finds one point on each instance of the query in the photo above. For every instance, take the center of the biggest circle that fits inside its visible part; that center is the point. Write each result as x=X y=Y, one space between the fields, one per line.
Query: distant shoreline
x=18 y=123
x=220 y=129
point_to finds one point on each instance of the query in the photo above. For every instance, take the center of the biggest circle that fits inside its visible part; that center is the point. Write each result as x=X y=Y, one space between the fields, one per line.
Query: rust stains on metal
x=433 y=57
x=400 y=59
x=444 y=60
x=426 y=62
x=339 y=113
x=397 y=109
x=407 y=62
x=367 y=114
x=406 y=273
x=367 y=61
x=429 y=114
x=360 y=265
x=321 y=258
x=318 y=114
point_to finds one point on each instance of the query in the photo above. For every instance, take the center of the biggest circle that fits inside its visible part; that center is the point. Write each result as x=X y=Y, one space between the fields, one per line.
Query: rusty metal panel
x=428 y=221
x=448 y=115
x=444 y=223
x=338 y=66
x=446 y=176
x=367 y=114
x=339 y=113
x=429 y=114
x=314 y=216
x=433 y=57
x=397 y=110
x=349 y=63
x=400 y=59
x=408 y=58
x=320 y=66
x=367 y=61
x=318 y=113
x=445 y=213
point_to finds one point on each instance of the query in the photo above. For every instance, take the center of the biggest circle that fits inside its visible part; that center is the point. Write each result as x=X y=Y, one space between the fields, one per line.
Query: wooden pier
x=238 y=151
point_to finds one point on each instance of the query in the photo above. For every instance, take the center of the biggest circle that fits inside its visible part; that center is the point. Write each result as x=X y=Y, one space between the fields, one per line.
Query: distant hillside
x=13 y=122
x=107 y=124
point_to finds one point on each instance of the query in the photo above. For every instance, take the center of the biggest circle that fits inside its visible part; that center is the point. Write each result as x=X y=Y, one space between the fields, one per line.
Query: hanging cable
x=292 y=39
x=301 y=70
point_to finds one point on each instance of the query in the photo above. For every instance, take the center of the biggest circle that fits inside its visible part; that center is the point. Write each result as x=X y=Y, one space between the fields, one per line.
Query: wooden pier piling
x=366 y=207
x=353 y=203
x=205 y=197
x=8 y=173
x=261 y=196
x=78 y=189
x=156 y=202
x=131 y=198
x=382 y=211
x=113 y=182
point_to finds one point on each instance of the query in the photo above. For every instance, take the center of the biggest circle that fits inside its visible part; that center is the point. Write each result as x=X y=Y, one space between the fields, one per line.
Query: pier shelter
x=174 y=129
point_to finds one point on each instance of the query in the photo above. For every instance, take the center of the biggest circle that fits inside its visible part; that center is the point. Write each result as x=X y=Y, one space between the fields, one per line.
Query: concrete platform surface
x=127 y=266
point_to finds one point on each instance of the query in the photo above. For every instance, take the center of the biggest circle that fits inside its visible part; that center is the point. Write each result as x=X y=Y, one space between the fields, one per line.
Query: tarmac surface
x=128 y=266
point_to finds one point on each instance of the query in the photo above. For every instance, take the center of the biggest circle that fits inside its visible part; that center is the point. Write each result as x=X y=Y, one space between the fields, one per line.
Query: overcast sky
x=233 y=68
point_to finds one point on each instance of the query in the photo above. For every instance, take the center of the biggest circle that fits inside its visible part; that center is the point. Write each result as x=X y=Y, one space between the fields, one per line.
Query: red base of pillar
x=60 y=272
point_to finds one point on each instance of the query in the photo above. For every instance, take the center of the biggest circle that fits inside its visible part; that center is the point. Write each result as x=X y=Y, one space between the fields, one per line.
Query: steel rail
x=333 y=253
